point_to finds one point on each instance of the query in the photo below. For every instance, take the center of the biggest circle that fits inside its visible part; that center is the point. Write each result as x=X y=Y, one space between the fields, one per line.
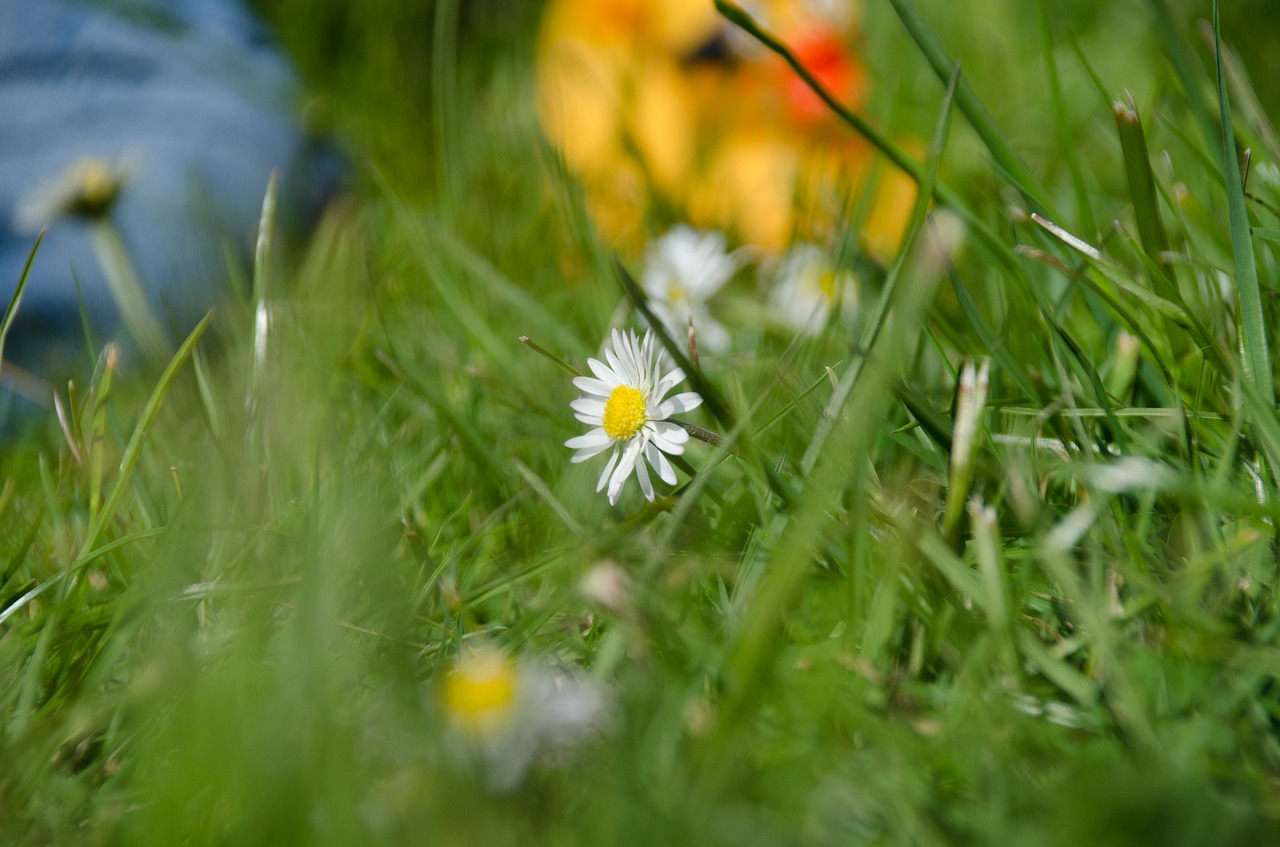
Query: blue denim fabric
x=198 y=105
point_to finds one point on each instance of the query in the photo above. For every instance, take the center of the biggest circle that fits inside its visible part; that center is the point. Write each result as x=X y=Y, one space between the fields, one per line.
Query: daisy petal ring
x=625 y=403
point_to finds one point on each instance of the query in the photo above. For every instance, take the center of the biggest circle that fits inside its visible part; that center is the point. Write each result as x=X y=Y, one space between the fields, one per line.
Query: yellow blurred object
x=480 y=692
x=658 y=105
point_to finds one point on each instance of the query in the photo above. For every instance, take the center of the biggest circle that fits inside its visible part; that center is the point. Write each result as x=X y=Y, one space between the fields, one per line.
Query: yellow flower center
x=96 y=186
x=827 y=284
x=624 y=413
x=480 y=693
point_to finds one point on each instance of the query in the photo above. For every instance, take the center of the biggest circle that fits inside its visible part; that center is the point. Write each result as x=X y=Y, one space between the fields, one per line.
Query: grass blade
x=1255 y=356
x=970 y=106
x=133 y=450
x=11 y=311
x=1142 y=190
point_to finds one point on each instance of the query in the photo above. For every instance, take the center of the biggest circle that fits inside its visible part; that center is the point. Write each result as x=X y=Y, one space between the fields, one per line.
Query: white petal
x=660 y=464
x=686 y=402
x=593 y=386
x=608 y=469
x=588 y=406
x=587 y=453
x=668 y=437
x=668 y=382
x=606 y=374
x=589 y=420
x=618 y=366
x=642 y=476
x=636 y=356
x=621 y=358
x=657 y=361
x=591 y=439
x=625 y=465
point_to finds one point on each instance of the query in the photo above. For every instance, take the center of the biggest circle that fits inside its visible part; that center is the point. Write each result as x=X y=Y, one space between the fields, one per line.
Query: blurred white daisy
x=683 y=270
x=808 y=286
x=627 y=404
x=86 y=188
x=506 y=714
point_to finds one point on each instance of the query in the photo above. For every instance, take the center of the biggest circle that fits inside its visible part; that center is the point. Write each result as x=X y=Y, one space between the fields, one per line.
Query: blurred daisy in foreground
x=683 y=270
x=625 y=403
x=808 y=286
x=509 y=714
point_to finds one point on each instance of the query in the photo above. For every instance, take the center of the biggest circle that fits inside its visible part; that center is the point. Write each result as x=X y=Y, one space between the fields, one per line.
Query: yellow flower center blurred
x=624 y=413
x=827 y=284
x=481 y=691
x=95 y=185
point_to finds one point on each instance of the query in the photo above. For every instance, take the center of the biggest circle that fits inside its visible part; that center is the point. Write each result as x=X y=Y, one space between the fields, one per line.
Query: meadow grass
x=921 y=602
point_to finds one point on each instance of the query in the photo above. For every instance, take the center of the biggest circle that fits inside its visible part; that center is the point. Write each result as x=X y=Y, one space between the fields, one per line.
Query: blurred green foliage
x=365 y=471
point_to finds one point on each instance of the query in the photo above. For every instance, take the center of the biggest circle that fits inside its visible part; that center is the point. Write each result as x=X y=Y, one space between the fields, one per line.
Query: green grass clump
x=923 y=600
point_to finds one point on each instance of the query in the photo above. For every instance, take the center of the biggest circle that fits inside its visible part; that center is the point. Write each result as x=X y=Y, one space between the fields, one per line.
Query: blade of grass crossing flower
x=876 y=321
x=909 y=166
x=133 y=450
x=1255 y=353
x=712 y=399
x=15 y=300
x=711 y=396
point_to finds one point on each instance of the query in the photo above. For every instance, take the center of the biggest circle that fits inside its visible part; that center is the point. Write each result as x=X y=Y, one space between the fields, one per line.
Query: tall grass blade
x=1062 y=123
x=1255 y=355
x=971 y=107
x=133 y=450
x=1142 y=190
x=11 y=311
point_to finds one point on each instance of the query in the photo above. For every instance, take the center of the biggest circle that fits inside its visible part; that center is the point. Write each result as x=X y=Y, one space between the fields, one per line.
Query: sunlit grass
x=920 y=601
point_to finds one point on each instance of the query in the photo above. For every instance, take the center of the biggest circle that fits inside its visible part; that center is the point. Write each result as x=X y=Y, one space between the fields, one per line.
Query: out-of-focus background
x=993 y=560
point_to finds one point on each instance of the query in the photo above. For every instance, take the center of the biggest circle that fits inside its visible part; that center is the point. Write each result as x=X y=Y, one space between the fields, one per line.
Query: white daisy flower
x=506 y=714
x=625 y=403
x=808 y=286
x=86 y=188
x=683 y=270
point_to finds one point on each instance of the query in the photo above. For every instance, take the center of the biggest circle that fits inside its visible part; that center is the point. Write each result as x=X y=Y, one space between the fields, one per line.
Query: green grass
x=230 y=590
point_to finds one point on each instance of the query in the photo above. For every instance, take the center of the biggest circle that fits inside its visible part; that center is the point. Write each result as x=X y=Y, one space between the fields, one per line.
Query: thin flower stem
x=126 y=289
x=535 y=347
x=712 y=438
